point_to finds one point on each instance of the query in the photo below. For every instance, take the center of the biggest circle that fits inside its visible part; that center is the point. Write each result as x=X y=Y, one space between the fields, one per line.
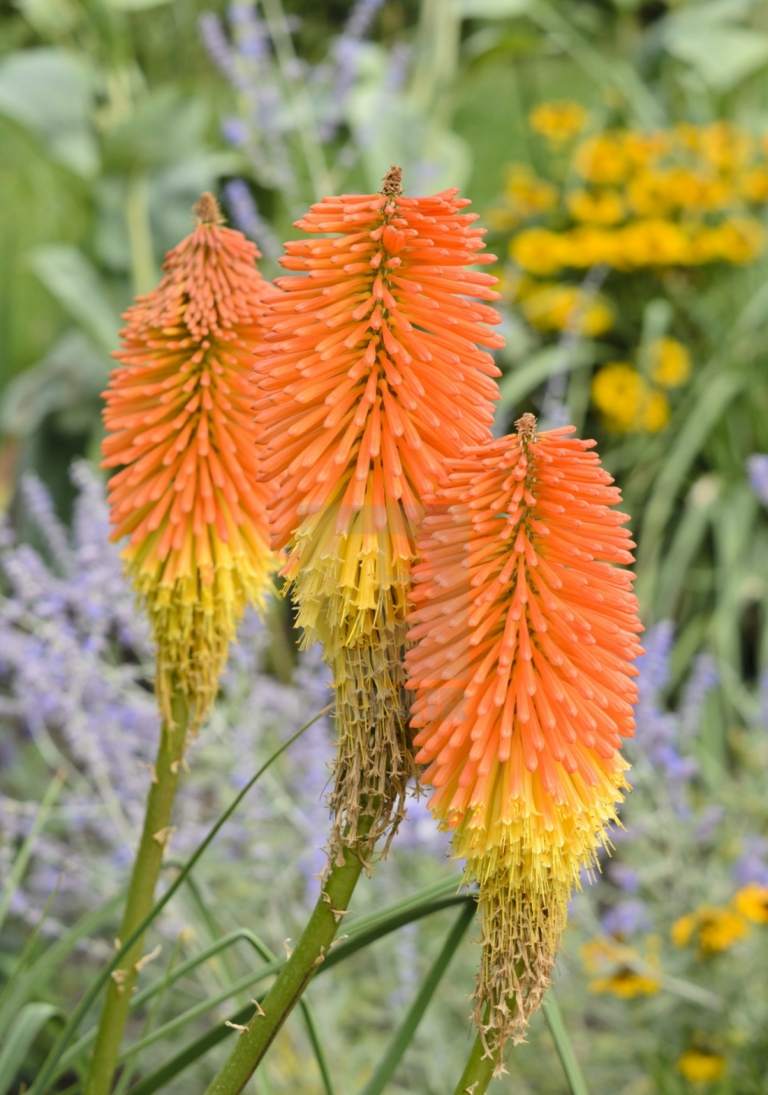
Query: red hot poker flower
x=179 y=420
x=525 y=633
x=371 y=379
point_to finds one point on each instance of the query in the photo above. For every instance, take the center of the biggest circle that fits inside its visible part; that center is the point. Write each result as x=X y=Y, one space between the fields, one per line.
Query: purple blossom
x=248 y=219
x=626 y=918
x=752 y=864
x=757 y=467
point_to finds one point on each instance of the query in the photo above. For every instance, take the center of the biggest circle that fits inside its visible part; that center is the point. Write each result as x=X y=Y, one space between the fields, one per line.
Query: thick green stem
x=255 y=1039
x=478 y=1072
x=140 y=899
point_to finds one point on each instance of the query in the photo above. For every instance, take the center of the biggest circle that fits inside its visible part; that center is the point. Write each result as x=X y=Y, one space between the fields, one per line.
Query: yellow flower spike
x=180 y=425
x=752 y=902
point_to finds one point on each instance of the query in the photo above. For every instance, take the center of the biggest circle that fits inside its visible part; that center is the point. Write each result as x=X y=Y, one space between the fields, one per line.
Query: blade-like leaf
x=18 y=1040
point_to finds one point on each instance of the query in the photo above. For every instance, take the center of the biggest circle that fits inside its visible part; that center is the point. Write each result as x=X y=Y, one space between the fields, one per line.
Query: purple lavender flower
x=752 y=864
x=248 y=219
x=626 y=918
x=757 y=467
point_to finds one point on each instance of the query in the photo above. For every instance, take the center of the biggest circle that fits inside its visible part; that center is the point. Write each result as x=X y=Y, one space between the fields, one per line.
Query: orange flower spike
x=371 y=378
x=179 y=421
x=524 y=633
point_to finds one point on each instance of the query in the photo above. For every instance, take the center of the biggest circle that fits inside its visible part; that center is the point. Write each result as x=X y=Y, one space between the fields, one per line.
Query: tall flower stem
x=478 y=1071
x=140 y=898
x=255 y=1039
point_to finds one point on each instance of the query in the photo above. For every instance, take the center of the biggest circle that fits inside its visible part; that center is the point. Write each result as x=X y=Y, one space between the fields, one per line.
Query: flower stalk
x=478 y=1071
x=254 y=1040
x=141 y=894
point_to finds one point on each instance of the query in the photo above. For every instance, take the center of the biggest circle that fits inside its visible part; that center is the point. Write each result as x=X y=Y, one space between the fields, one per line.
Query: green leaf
x=577 y=1085
x=367 y=931
x=492 y=9
x=70 y=277
x=49 y=1068
x=518 y=384
x=50 y=91
x=18 y=1040
x=722 y=55
x=404 y=1034
x=66 y=382
x=165 y=127
x=136 y=5
x=20 y=862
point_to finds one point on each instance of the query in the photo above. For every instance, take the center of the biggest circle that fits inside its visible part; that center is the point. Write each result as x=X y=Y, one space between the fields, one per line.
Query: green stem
x=143 y=266
x=310 y=953
x=140 y=899
x=478 y=1072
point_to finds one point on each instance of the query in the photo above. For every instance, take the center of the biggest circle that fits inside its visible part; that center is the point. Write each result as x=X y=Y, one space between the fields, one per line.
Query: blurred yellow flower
x=712 y=928
x=625 y=972
x=626 y=400
x=602 y=159
x=625 y=983
x=567 y=308
x=525 y=195
x=752 y=902
x=558 y=121
x=539 y=251
x=753 y=184
x=670 y=362
x=603 y=207
x=701 y=1066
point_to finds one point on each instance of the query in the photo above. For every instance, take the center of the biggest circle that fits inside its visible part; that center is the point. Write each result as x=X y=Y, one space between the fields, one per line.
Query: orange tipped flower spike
x=372 y=377
x=179 y=420
x=525 y=632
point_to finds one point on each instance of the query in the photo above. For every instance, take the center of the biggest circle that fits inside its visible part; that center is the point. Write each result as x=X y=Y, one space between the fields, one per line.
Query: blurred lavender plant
x=75 y=688
x=290 y=112
x=76 y=691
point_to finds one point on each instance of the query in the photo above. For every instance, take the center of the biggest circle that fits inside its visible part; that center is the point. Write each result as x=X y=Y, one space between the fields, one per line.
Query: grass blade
x=368 y=930
x=404 y=1034
x=19 y=1038
x=48 y=1070
x=19 y=866
x=577 y=1085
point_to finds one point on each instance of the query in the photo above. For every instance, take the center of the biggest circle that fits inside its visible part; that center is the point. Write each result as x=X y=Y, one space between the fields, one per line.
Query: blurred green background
x=617 y=151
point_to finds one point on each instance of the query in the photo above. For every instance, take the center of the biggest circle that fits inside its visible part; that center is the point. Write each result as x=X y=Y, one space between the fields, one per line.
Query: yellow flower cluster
x=647 y=242
x=676 y=197
x=525 y=196
x=623 y=971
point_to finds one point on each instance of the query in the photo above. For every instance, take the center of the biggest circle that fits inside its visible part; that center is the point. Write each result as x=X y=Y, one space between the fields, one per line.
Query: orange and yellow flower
x=373 y=377
x=525 y=634
x=179 y=421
